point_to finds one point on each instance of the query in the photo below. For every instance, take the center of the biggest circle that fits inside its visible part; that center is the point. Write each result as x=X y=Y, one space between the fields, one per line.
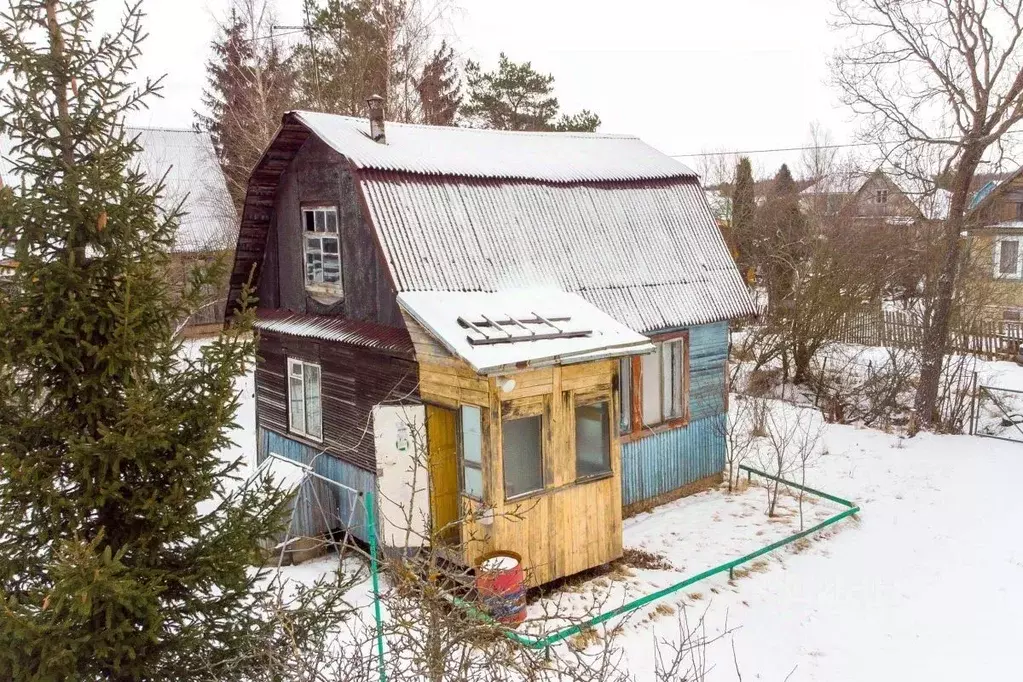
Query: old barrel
x=501 y=584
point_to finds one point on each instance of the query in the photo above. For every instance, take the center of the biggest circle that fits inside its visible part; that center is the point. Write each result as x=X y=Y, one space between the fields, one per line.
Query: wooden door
x=442 y=441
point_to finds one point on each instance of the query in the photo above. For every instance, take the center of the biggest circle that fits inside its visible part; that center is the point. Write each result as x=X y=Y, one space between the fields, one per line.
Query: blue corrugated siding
x=669 y=460
x=309 y=519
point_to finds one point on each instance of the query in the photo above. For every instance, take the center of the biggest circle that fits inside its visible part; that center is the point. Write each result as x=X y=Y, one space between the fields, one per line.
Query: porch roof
x=502 y=331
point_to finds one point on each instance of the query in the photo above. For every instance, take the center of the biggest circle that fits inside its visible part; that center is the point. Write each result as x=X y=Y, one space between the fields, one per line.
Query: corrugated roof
x=193 y=175
x=378 y=337
x=646 y=253
x=475 y=153
x=439 y=313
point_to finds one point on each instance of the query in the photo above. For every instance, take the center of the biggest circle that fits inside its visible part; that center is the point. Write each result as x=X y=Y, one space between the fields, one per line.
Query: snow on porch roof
x=502 y=331
x=475 y=153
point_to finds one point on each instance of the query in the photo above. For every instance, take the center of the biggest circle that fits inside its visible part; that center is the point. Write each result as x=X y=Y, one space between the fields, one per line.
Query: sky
x=686 y=76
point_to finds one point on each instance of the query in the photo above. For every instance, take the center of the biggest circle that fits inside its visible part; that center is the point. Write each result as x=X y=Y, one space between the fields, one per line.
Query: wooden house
x=527 y=333
x=996 y=236
x=876 y=198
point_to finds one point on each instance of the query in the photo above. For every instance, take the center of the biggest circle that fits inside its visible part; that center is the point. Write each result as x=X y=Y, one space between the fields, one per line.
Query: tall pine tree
x=517 y=97
x=109 y=567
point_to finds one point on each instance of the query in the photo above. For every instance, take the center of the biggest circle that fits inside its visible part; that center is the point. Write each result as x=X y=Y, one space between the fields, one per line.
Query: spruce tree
x=440 y=93
x=250 y=83
x=109 y=567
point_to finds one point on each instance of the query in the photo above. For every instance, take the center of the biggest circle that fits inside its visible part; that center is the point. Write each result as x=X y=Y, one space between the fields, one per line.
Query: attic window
x=322 y=246
x=881 y=196
x=489 y=331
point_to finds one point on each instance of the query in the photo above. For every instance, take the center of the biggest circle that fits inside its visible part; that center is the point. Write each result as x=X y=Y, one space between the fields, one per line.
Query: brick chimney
x=376 y=118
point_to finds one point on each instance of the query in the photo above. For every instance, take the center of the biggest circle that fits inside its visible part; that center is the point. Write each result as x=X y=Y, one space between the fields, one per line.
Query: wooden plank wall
x=353 y=381
x=570 y=526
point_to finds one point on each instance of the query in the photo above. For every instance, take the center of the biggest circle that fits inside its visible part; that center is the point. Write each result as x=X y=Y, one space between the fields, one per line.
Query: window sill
x=522 y=497
x=593 y=478
x=309 y=440
x=646 y=431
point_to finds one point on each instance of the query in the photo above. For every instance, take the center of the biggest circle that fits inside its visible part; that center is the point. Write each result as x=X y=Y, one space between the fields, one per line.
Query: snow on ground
x=927 y=583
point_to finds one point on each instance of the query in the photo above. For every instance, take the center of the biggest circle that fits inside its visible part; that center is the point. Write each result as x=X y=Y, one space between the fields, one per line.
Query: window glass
x=1008 y=261
x=1019 y=211
x=592 y=440
x=650 y=364
x=523 y=461
x=471 y=450
x=313 y=409
x=305 y=413
x=322 y=246
x=672 y=379
x=625 y=395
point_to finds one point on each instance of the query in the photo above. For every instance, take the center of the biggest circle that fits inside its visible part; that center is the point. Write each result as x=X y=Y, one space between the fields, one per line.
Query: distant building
x=996 y=234
x=878 y=197
x=187 y=162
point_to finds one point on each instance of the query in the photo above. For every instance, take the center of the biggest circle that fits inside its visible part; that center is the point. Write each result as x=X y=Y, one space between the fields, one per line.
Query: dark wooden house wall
x=319 y=175
x=353 y=381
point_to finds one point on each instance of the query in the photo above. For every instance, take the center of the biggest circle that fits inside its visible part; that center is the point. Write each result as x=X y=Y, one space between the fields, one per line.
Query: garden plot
x=678 y=540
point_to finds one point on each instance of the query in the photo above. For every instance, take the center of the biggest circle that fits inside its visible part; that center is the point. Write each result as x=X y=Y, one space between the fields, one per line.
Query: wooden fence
x=898 y=329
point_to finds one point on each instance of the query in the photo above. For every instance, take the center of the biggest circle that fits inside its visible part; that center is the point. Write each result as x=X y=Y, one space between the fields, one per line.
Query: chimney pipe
x=376 y=118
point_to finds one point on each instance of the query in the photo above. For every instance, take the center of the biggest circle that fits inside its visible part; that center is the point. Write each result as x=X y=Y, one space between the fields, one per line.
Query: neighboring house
x=876 y=197
x=996 y=233
x=537 y=323
x=187 y=162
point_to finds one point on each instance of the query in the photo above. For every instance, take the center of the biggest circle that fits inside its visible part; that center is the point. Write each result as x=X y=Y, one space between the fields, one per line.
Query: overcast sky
x=685 y=76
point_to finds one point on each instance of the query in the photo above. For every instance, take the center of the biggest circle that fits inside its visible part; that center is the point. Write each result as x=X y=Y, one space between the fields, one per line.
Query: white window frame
x=470 y=416
x=300 y=425
x=1018 y=274
x=329 y=232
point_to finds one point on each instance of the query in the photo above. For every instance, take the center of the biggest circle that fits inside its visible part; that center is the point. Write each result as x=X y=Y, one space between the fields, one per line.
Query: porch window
x=322 y=246
x=305 y=414
x=625 y=395
x=522 y=453
x=592 y=440
x=1007 y=258
x=471 y=450
x=664 y=382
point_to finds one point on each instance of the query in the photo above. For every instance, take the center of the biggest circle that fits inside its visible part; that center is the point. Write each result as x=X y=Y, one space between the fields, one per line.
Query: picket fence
x=894 y=328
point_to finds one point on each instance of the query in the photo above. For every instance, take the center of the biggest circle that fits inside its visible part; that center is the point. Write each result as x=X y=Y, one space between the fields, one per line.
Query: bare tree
x=792 y=443
x=940 y=83
x=819 y=158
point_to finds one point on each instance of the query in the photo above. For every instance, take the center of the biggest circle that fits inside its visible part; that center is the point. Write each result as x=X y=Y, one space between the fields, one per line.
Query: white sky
x=685 y=76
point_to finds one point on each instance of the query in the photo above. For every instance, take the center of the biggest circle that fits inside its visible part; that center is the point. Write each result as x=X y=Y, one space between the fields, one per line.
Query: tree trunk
x=936 y=332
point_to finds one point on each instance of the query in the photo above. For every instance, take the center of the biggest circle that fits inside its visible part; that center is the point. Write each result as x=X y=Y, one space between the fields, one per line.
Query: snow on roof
x=838 y=183
x=648 y=254
x=932 y=201
x=193 y=175
x=493 y=331
x=475 y=153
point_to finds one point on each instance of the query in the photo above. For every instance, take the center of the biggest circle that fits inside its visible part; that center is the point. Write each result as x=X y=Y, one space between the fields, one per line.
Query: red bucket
x=501 y=584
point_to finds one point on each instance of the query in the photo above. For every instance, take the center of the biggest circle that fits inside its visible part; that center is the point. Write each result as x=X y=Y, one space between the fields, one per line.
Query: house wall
x=319 y=175
x=680 y=460
x=864 y=206
x=352 y=382
x=322 y=507
x=571 y=525
x=999 y=294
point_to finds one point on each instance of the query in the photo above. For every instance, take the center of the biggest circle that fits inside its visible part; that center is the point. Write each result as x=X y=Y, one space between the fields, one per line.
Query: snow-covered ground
x=927 y=583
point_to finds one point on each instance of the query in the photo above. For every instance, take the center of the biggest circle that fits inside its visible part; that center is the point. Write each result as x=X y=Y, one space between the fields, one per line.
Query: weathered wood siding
x=670 y=460
x=353 y=381
x=571 y=525
x=321 y=507
x=319 y=175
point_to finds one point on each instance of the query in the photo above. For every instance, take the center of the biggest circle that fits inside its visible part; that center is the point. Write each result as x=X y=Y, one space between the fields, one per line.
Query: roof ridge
x=489 y=131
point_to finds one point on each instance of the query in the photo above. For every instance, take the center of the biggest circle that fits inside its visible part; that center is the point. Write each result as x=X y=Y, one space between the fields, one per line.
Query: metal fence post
x=374 y=569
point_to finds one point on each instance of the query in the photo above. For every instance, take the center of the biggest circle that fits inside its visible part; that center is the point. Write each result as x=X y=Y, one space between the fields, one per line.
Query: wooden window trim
x=330 y=288
x=640 y=430
x=524 y=408
x=594 y=398
x=288 y=360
